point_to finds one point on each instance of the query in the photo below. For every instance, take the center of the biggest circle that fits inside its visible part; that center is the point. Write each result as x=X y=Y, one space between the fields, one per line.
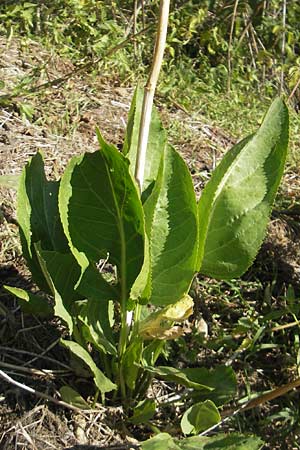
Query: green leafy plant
x=234 y=442
x=118 y=263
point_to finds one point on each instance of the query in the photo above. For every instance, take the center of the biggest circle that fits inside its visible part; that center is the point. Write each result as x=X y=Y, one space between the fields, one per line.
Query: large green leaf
x=38 y=216
x=222 y=379
x=222 y=441
x=144 y=411
x=92 y=285
x=31 y=303
x=131 y=357
x=102 y=213
x=95 y=315
x=179 y=376
x=72 y=397
x=171 y=225
x=200 y=417
x=103 y=383
x=162 y=441
x=219 y=384
x=54 y=267
x=235 y=205
x=156 y=141
x=64 y=272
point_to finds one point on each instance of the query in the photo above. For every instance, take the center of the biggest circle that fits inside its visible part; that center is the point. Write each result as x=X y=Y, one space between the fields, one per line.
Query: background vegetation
x=214 y=47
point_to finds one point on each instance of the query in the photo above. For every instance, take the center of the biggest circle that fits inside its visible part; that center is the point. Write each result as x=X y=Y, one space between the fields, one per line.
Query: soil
x=64 y=117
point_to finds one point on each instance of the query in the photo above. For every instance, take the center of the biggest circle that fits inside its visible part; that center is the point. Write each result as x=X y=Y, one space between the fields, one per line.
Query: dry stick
x=283 y=46
x=275 y=393
x=250 y=46
x=10 y=380
x=253 y=39
x=278 y=392
x=143 y=13
x=248 y=24
x=285 y=326
x=253 y=31
x=244 y=33
x=30 y=370
x=230 y=45
x=150 y=90
x=135 y=14
x=294 y=90
x=131 y=20
x=35 y=357
x=53 y=344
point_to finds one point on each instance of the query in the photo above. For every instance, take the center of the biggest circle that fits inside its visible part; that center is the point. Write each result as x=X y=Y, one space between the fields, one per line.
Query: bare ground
x=63 y=123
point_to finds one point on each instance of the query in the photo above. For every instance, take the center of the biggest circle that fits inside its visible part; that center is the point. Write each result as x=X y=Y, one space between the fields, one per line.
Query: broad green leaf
x=48 y=262
x=143 y=412
x=72 y=397
x=222 y=441
x=92 y=285
x=218 y=385
x=152 y=351
x=102 y=213
x=222 y=379
x=235 y=205
x=200 y=417
x=31 y=303
x=180 y=376
x=131 y=358
x=141 y=289
x=95 y=315
x=103 y=383
x=171 y=225
x=162 y=441
x=156 y=141
x=38 y=216
x=64 y=272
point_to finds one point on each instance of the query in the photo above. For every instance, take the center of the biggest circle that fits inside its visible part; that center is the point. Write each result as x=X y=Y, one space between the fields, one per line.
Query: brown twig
x=294 y=90
x=275 y=393
x=26 y=388
x=32 y=371
x=35 y=356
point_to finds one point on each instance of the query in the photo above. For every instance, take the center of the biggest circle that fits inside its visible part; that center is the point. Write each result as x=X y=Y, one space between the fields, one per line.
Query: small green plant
x=119 y=263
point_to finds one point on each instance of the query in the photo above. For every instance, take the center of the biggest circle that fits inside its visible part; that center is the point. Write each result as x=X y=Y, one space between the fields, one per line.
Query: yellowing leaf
x=180 y=311
x=160 y=324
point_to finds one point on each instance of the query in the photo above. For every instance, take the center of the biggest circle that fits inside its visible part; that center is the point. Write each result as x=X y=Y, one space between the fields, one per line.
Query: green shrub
x=119 y=265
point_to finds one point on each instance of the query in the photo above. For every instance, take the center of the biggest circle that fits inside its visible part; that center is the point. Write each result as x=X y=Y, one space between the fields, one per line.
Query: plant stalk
x=283 y=46
x=229 y=54
x=150 y=90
